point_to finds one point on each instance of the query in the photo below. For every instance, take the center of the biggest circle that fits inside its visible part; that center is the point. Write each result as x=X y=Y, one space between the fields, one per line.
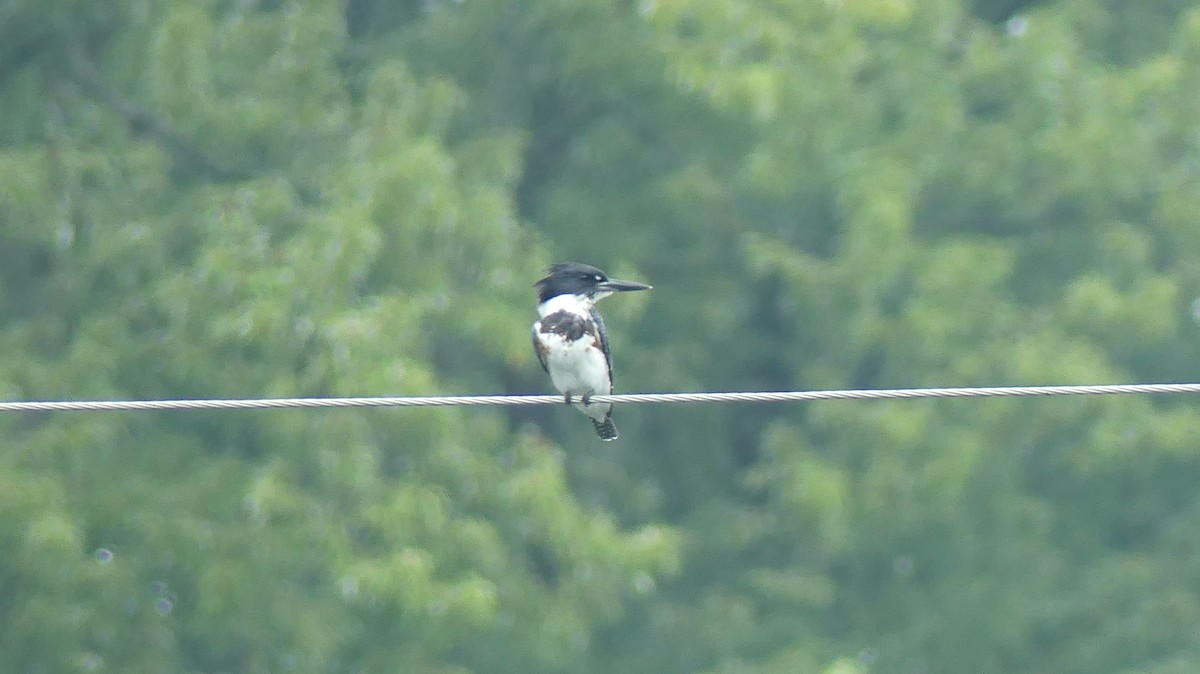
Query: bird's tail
x=606 y=429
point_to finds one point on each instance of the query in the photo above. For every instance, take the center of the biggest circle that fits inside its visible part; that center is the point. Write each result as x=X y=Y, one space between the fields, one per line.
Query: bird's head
x=581 y=280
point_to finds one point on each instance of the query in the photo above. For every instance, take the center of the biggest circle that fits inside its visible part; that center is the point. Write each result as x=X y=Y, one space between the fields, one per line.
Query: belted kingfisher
x=570 y=338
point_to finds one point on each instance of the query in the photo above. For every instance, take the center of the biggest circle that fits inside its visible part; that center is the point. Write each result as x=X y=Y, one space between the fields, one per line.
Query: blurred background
x=257 y=198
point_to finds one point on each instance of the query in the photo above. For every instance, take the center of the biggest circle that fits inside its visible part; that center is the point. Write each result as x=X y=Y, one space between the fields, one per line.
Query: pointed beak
x=615 y=286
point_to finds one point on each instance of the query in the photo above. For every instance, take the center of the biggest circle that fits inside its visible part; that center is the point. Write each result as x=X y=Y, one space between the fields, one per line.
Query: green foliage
x=232 y=199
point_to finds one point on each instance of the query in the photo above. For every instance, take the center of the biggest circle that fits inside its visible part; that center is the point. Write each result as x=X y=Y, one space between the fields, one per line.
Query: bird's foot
x=567 y=398
x=587 y=398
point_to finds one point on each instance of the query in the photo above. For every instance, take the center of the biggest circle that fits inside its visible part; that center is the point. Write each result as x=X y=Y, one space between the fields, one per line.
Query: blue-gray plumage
x=571 y=341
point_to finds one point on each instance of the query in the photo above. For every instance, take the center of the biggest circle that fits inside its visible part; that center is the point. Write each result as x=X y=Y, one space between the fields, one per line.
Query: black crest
x=570 y=278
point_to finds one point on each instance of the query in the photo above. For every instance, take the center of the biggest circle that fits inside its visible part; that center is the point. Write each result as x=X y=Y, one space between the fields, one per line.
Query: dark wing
x=603 y=332
x=540 y=350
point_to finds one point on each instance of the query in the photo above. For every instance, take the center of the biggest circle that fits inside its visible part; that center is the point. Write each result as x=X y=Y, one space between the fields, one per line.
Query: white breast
x=579 y=367
x=576 y=367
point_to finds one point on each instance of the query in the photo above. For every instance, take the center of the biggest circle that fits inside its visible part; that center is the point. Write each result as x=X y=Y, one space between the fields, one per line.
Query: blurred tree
x=208 y=209
x=348 y=198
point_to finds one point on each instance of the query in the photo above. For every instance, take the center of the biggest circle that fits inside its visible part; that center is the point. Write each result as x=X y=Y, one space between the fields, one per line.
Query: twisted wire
x=624 y=399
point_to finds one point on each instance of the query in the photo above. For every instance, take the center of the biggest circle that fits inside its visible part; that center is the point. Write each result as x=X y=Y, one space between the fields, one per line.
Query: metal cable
x=629 y=398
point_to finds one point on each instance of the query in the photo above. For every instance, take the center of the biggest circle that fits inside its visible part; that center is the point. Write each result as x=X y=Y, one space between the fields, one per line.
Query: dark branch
x=142 y=121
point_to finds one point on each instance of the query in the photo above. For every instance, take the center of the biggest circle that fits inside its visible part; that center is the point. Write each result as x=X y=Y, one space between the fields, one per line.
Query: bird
x=571 y=341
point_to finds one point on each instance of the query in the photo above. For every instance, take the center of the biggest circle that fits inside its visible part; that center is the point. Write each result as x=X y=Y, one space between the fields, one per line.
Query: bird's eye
x=598 y=278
